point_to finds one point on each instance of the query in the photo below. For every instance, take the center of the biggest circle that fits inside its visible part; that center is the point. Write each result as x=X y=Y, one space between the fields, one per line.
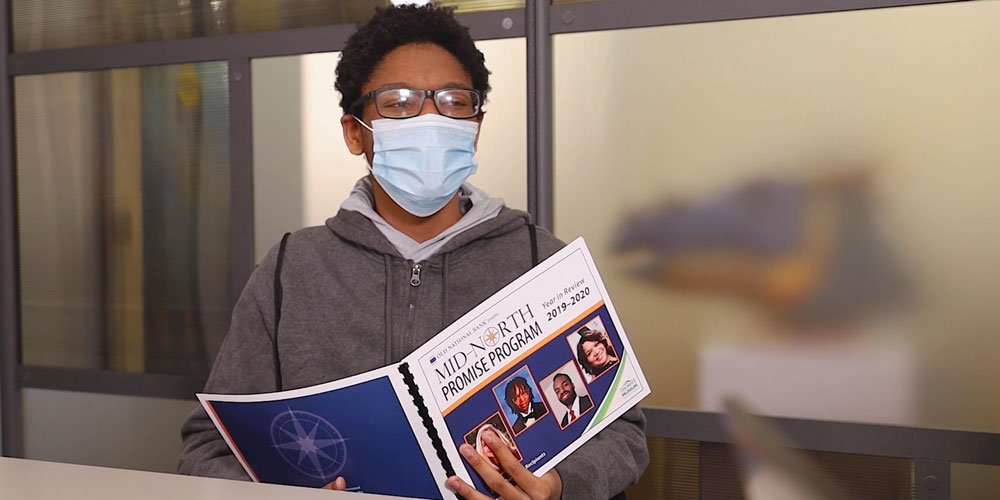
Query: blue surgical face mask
x=421 y=162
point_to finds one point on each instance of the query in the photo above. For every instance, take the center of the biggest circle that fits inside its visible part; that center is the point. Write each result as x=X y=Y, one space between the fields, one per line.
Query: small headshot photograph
x=520 y=399
x=593 y=349
x=567 y=394
x=492 y=424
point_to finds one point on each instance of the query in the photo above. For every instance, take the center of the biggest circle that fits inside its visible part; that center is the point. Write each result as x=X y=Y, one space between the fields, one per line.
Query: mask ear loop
x=363 y=124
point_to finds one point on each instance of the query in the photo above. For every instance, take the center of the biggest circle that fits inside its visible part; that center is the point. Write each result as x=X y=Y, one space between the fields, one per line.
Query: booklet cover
x=544 y=362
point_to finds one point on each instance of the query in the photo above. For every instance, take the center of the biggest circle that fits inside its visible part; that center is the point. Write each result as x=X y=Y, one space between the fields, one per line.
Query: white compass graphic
x=309 y=443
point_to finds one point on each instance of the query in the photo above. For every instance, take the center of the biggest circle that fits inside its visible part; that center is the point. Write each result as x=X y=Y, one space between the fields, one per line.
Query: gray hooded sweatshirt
x=349 y=306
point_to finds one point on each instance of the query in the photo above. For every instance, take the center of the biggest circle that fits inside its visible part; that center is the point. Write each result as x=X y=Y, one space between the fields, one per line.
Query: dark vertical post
x=241 y=245
x=931 y=479
x=10 y=316
x=539 y=59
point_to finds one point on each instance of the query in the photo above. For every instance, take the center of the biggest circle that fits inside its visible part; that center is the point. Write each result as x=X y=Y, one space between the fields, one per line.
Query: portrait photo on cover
x=520 y=400
x=595 y=354
x=567 y=394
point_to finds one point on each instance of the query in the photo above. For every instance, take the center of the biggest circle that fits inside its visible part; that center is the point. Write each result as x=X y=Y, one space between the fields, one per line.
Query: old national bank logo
x=491 y=337
x=309 y=443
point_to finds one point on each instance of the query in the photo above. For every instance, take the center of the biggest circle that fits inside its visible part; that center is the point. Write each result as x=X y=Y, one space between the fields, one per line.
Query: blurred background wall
x=689 y=114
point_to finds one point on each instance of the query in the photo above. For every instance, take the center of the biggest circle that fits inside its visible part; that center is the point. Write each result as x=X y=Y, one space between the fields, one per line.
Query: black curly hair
x=397 y=25
x=511 y=390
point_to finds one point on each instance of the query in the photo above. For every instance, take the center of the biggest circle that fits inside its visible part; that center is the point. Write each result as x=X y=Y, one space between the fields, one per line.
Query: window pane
x=974 y=481
x=56 y=24
x=302 y=168
x=123 y=195
x=799 y=210
x=481 y=5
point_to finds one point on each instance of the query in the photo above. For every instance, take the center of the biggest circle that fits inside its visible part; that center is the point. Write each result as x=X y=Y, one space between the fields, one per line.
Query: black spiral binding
x=411 y=386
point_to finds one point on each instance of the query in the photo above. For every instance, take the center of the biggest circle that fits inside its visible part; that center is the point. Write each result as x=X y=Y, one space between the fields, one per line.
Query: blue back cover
x=358 y=432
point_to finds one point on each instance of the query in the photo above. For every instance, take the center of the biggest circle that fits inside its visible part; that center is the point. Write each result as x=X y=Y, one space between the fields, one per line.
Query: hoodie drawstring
x=444 y=291
x=388 y=309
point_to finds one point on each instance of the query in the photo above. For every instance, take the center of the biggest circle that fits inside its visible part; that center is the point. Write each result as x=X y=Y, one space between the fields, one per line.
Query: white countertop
x=22 y=479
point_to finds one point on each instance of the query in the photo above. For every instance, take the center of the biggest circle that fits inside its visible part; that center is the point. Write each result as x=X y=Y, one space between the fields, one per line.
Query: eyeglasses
x=407 y=103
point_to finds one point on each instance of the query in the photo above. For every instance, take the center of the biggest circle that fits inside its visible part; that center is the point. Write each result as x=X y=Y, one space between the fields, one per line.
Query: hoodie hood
x=484 y=216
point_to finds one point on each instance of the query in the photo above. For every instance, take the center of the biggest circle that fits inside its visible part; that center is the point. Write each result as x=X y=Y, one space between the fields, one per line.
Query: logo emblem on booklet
x=628 y=387
x=309 y=443
x=491 y=337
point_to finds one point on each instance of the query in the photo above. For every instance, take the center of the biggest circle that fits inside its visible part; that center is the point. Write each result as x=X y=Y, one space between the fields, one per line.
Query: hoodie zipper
x=411 y=306
x=415 y=276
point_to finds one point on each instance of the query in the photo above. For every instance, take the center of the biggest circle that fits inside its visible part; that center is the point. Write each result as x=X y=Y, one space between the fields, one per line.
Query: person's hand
x=337 y=484
x=526 y=486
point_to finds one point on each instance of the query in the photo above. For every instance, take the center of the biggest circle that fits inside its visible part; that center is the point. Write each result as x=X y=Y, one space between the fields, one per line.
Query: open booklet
x=544 y=362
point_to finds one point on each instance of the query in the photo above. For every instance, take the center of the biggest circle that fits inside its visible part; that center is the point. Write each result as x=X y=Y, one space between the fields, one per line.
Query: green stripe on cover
x=606 y=404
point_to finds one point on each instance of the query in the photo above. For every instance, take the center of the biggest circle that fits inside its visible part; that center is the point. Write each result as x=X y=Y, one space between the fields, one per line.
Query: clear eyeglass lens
x=399 y=103
x=457 y=103
x=404 y=103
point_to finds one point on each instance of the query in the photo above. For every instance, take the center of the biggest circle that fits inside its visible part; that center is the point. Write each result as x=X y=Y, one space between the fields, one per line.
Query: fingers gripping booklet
x=544 y=362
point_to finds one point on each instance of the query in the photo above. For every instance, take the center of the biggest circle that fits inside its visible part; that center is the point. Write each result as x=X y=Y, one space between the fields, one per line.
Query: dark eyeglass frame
x=360 y=101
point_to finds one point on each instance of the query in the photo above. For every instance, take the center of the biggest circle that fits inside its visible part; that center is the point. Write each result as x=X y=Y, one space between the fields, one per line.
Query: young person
x=521 y=400
x=412 y=249
x=594 y=353
x=575 y=404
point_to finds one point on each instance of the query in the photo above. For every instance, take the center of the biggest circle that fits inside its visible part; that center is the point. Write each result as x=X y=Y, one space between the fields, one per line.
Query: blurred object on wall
x=770 y=469
x=808 y=252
